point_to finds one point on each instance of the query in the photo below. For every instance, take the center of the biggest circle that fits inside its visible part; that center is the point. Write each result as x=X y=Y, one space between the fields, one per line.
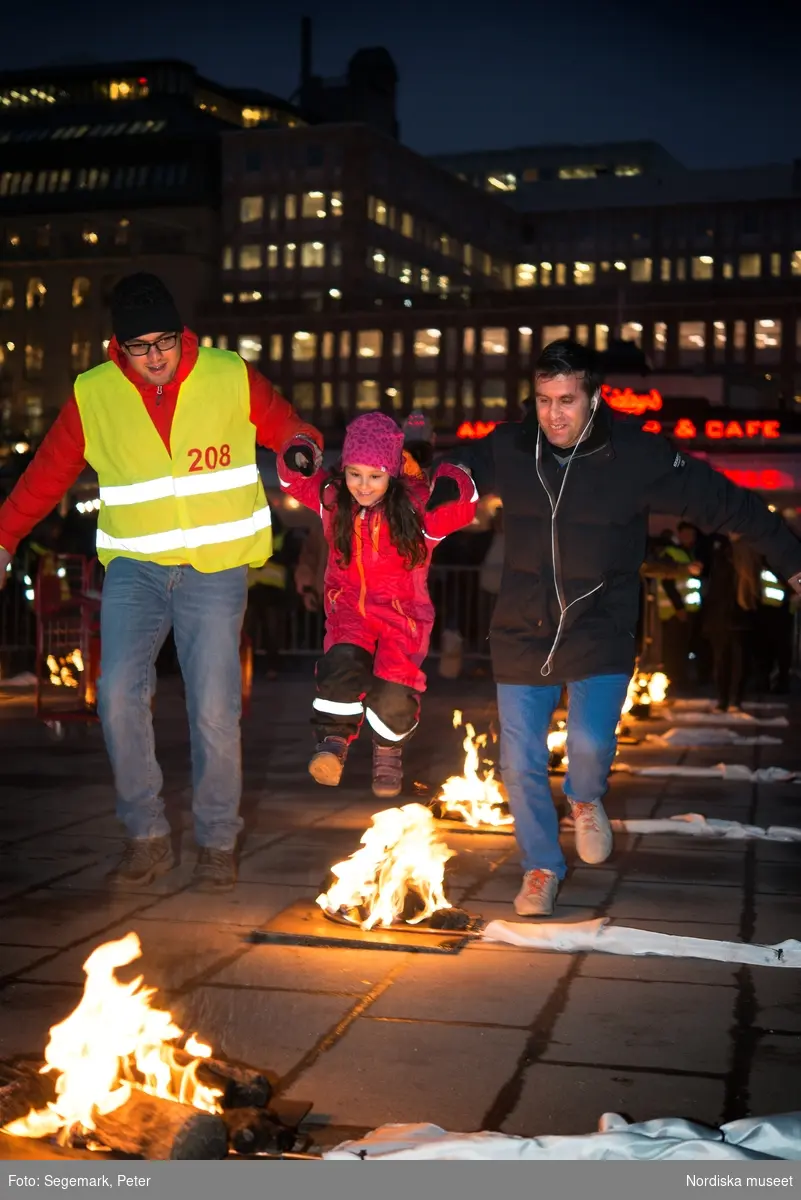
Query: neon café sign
x=638 y=404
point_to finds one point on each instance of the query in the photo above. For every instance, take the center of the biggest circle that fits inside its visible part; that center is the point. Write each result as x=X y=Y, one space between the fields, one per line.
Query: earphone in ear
x=596 y=400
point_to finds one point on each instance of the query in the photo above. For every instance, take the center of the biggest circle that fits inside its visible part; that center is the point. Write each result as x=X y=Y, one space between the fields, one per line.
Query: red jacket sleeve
x=52 y=472
x=303 y=488
x=274 y=417
x=456 y=513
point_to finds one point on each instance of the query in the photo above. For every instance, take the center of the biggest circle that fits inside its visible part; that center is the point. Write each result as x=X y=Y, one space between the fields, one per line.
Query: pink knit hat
x=373 y=440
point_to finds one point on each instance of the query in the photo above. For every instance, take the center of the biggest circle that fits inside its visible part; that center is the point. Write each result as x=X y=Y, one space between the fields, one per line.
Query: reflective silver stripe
x=187 y=539
x=378 y=725
x=339 y=707
x=185 y=485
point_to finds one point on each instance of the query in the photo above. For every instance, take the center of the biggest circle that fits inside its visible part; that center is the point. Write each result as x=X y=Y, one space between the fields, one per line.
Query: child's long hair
x=405 y=530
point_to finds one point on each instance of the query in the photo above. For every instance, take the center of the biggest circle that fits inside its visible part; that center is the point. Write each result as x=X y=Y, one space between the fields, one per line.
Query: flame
x=400 y=853
x=110 y=1044
x=475 y=799
x=62 y=670
x=645 y=689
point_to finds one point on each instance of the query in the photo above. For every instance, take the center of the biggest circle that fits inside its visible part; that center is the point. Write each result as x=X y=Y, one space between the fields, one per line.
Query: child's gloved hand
x=302 y=455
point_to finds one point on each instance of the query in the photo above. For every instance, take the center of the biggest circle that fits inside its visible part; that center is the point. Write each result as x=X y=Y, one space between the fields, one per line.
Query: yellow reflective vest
x=272 y=574
x=688 y=589
x=773 y=594
x=202 y=503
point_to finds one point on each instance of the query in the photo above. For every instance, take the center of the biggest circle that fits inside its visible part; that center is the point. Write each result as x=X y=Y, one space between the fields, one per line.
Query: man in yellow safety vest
x=171 y=429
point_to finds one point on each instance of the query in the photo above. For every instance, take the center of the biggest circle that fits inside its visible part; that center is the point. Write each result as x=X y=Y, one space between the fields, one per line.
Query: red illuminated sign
x=475 y=429
x=720 y=430
x=626 y=400
x=769 y=480
x=746 y=429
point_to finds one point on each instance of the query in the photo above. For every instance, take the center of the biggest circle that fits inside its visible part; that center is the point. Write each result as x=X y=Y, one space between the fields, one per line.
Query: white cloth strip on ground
x=733 y=772
x=748 y=1139
x=188 y=539
x=340 y=708
x=713 y=718
x=690 y=735
x=600 y=936
x=697 y=825
x=186 y=485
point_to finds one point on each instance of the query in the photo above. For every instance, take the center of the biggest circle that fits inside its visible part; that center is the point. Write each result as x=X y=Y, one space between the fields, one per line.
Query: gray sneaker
x=537 y=896
x=593 y=832
x=215 y=871
x=143 y=859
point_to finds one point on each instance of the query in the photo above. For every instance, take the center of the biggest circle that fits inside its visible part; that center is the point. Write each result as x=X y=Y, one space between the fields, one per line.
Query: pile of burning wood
x=120 y=1075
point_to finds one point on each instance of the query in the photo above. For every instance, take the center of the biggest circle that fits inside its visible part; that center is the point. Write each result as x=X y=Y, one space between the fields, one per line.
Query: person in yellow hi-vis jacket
x=171 y=429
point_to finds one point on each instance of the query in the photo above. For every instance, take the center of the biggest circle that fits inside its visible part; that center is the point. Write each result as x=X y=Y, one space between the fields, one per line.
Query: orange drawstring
x=360 y=566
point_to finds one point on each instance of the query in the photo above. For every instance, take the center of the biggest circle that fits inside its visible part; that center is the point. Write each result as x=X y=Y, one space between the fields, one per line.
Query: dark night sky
x=714 y=89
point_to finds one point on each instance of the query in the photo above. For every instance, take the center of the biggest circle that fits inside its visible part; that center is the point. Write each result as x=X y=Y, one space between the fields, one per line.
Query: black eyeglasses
x=162 y=344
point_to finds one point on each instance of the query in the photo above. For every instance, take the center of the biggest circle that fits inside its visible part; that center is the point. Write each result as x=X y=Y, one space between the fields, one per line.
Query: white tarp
x=697 y=825
x=733 y=772
x=598 y=935
x=25 y=680
x=692 y=717
x=713 y=735
x=752 y=1138
x=706 y=705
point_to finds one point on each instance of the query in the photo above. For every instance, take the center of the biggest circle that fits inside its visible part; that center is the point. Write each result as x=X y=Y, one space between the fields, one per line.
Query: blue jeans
x=594 y=706
x=141 y=602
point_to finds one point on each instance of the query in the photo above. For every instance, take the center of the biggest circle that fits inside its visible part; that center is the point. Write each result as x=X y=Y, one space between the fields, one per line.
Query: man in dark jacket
x=577 y=483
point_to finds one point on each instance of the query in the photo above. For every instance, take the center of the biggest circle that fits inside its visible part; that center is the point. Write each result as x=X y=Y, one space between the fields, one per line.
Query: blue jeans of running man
x=594 y=706
x=141 y=602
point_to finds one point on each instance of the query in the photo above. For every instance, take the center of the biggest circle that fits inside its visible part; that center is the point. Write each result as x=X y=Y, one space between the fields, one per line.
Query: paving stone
x=381 y=1071
x=503 y=991
x=778 y=997
x=302 y=858
x=249 y=905
x=171 y=954
x=16 y=959
x=307 y=968
x=711 y=904
x=654 y=862
x=647 y=1025
x=775 y=1071
x=269 y=1030
x=52 y=918
x=571 y=1099
x=777 y=918
x=27 y=1011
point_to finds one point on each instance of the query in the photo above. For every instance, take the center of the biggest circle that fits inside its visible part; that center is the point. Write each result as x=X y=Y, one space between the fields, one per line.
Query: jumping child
x=380 y=536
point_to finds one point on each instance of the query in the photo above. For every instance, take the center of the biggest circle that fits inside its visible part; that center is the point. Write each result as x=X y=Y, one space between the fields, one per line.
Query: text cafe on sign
x=729 y=429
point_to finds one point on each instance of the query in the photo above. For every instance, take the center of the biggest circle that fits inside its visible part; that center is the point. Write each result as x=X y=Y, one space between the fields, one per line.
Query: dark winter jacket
x=576 y=536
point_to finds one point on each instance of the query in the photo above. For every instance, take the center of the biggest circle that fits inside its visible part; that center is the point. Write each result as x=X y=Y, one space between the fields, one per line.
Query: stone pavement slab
x=569 y=1099
x=384 y=1071
x=493 y=1037
x=651 y=1025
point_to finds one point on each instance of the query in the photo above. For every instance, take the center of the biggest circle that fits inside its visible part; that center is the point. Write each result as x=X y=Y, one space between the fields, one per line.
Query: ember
x=397 y=875
x=473 y=798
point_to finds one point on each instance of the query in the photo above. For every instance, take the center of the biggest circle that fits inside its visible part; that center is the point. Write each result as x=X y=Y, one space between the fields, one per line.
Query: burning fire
x=477 y=800
x=110 y=1044
x=401 y=861
x=62 y=669
x=646 y=689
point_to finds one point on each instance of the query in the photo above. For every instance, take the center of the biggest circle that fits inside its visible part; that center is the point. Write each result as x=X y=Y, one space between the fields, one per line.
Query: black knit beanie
x=141 y=304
